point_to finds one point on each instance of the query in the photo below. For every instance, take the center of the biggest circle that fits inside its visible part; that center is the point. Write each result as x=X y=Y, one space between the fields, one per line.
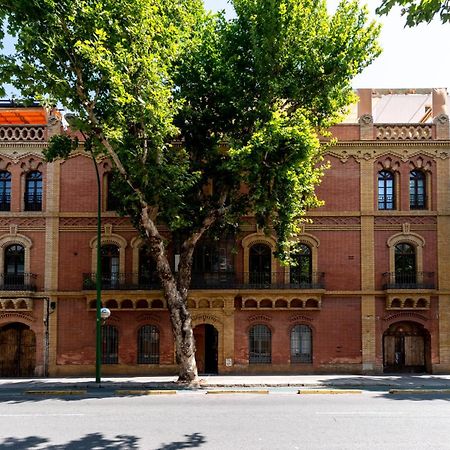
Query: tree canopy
x=207 y=121
x=417 y=11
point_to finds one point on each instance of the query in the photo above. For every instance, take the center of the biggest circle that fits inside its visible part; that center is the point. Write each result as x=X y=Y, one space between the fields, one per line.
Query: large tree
x=140 y=74
x=417 y=11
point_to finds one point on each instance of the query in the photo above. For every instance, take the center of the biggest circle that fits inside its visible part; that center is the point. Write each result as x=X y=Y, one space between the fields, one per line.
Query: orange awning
x=23 y=116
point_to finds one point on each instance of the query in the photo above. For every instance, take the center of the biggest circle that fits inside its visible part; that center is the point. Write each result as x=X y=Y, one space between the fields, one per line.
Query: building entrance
x=406 y=348
x=206 y=343
x=17 y=351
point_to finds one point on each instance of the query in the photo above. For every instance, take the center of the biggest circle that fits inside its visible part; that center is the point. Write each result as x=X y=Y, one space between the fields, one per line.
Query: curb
x=144 y=392
x=418 y=391
x=53 y=392
x=238 y=391
x=329 y=391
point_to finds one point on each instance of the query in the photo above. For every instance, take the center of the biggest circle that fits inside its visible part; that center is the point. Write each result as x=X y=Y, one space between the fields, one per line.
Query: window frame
x=297 y=344
x=382 y=199
x=5 y=190
x=416 y=177
x=33 y=195
x=152 y=356
x=256 y=342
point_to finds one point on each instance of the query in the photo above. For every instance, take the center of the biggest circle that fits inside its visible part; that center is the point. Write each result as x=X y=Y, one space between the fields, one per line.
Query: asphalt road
x=371 y=420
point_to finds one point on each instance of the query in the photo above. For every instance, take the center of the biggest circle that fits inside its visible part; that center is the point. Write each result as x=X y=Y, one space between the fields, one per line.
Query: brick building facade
x=371 y=293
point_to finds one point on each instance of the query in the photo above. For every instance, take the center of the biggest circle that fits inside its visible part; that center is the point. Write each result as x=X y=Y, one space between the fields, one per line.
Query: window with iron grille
x=301 y=344
x=260 y=345
x=14 y=265
x=110 y=260
x=260 y=264
x=405 y=264
x=417 y=193
x=386 y=193
x=148 y=345
x=110 y=345
x=5 y=191
x=33 y=191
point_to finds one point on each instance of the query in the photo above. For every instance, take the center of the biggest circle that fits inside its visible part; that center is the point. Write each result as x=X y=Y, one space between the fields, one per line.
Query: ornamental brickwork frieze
x=413 y=220
x=25 y=223
x=336 y=221
x=403 y=150
x=259 y=317
x=300 y=318
x=404 y=316
x=80 y=222
x=16 y=315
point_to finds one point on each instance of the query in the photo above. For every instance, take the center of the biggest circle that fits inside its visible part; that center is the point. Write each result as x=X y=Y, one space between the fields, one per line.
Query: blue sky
x=416 y=57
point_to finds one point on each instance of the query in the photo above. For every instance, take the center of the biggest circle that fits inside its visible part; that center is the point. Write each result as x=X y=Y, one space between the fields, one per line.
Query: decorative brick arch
x=408 y=237
x=109 y=238
x=11 y=239
x=313 y=243
x=258 y=238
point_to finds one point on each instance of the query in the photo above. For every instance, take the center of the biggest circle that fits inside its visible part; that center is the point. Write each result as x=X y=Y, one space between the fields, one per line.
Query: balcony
x=418 y=280
x=212 y=280
x=18 y=282
x=122 y=281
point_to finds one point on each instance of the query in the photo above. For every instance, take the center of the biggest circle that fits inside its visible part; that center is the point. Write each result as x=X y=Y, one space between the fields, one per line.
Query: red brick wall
x=340 y=186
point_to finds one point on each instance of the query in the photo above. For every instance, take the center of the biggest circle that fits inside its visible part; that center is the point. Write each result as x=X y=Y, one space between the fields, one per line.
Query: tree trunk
x=180 y=316
x=183 y=336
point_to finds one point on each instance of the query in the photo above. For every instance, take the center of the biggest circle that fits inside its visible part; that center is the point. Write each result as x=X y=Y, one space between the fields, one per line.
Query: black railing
x=18 y=282
x=418 y=280
x=122 y=281
x=211 y=280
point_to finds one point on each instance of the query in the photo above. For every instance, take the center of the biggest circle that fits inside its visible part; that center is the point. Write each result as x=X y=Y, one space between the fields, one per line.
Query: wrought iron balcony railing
x=122 y=281
x=212 y=280
x=18 y=282
x=418 y=280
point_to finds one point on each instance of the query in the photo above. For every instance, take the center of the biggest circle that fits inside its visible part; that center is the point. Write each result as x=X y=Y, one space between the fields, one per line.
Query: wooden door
x=389 y=350
x=17 y=351
x=414 y=351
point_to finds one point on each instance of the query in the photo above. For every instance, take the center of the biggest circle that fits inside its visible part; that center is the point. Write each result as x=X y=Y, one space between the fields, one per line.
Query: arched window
x=14 y=265
x=301 y=273
x=5 y=191
x=386 y=193
x=110 y=344
x=110 y=266
x=417 y=192
x=147 y=269
x=260 y=264
x=33 y=191
x=405 y=264
x=260 y=345
x=301 y=344
x=148 y=345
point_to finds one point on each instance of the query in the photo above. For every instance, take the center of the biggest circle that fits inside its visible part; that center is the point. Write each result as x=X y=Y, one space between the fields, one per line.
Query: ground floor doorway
x=206 y=343
x=17 y=351
x=406 y=348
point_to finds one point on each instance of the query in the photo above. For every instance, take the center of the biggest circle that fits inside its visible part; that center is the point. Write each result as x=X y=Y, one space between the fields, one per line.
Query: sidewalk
x=212 y=381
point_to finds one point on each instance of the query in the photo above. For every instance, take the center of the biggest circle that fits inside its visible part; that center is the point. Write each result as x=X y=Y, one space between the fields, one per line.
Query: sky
x=416 y=57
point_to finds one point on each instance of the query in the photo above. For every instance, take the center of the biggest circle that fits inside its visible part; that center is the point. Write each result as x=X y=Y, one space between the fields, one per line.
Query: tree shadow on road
x=93 y=440
x=192 y=440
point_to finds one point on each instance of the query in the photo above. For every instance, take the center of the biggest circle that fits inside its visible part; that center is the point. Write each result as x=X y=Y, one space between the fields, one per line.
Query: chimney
x=365 y=117
x=440 y=115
